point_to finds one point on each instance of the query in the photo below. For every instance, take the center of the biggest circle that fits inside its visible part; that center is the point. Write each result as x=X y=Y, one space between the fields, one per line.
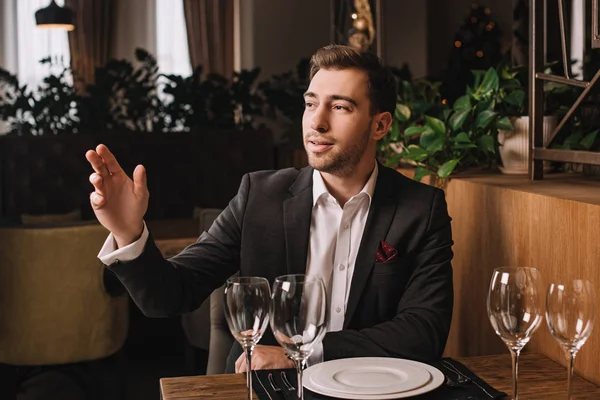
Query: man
x=381 y=242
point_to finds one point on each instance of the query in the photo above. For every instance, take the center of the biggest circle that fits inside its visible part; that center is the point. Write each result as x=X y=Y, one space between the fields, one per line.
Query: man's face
x=337 y=124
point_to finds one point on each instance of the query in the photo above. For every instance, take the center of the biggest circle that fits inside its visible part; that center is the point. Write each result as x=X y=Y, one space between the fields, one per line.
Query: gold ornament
x=361 y=24
x=359 y=41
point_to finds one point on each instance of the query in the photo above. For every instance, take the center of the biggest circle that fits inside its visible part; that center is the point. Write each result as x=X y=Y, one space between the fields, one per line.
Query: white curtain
x=34 y=44
x=171 y=38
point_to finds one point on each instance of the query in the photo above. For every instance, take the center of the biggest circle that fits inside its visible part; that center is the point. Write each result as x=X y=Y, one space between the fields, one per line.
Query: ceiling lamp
x=55 y=16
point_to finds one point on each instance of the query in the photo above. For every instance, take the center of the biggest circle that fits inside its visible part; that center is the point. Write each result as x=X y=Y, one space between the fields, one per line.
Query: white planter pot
x=514 y=146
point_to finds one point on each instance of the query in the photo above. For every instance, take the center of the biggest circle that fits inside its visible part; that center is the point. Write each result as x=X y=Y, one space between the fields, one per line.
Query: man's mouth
x=319 y=145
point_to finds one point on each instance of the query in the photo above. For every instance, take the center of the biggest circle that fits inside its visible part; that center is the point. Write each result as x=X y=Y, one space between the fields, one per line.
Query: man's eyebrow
x=345 y=98
x=334 y=97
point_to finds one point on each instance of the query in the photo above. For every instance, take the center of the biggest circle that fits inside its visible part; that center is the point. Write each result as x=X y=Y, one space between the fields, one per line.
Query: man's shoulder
x=270 y=180
x=408 y=184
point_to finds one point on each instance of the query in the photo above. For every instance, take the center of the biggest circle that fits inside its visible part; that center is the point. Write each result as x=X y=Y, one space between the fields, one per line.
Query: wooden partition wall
x=499 y=220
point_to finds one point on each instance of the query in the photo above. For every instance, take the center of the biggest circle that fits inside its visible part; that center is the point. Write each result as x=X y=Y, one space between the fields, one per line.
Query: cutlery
x=276 y=388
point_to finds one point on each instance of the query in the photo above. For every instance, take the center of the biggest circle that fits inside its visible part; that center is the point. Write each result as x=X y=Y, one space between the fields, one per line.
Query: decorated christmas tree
x=476 y=46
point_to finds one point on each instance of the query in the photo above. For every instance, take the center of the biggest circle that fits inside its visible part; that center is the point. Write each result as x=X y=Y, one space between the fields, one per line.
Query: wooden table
x=539 y=379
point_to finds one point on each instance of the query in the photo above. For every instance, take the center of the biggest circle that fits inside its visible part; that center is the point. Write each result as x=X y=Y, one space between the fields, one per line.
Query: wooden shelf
x=575 y=187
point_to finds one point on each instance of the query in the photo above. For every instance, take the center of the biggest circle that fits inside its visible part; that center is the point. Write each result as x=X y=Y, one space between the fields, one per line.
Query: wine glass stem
x=515 y=370
x=570 y=376
x=248 y=351
x=299 y=370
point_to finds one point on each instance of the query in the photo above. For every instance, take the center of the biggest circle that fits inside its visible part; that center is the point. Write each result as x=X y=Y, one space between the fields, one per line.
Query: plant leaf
x=516 y=98
x=588 y=141
x=572 y=139
x=484 y=118
x=415 y=130
x=432 y=141
x=403 y=112
x=486 y=142
x=462 y=103
x=421 y=172
x=462 y=138
x=490 y=82
x=435 y=124
x=458 y=119
x=415 y=153
x=505 y=124
x=446 y=169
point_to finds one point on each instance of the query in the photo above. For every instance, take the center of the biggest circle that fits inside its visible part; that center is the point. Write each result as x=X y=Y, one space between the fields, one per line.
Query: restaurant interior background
x=203 y=91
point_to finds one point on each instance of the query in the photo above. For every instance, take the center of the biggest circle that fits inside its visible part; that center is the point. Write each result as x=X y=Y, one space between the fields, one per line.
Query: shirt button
x=338 y=310
x=342 y=267
x=346 y=226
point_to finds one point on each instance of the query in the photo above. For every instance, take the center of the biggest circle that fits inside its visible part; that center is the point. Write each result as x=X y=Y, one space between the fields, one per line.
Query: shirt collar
x=319 y=188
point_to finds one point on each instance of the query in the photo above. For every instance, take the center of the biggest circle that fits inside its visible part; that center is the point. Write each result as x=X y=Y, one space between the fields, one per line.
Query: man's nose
x=319 y=121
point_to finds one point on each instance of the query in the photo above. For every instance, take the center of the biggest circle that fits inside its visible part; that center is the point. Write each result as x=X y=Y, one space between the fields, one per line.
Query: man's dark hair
x=380 y=79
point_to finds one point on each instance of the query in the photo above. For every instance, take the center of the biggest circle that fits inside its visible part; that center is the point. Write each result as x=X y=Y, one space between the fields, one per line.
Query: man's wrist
x=126 y=240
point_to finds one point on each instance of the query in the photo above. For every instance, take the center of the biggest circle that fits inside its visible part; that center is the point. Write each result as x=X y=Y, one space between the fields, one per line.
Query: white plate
x=369 y=376
x=355 y=389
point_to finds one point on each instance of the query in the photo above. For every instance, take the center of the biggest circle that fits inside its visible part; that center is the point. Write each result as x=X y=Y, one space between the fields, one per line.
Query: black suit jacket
x=399 y=309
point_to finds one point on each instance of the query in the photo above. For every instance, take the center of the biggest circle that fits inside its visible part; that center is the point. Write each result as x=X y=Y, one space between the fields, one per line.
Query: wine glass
x=247 y=306
x=299 y=318
x=515 y=309
x=570 y=313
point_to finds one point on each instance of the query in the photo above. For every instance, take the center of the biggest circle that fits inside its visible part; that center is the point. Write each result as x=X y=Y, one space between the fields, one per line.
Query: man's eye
x=308 y=105
x=340 y=108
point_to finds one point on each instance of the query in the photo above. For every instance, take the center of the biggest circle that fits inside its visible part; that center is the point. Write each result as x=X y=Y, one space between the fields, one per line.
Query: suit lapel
x=381 y=214
x=297 y=212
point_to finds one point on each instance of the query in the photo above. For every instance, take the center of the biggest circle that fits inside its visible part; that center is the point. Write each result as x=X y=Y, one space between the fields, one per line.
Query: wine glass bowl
x=299 y=317
x=570 y=315
x=247 y=310
x=515 y=309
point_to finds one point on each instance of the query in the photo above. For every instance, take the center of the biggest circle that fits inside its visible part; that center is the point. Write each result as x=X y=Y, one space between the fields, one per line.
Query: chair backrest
x=208 y=321
x=54 y=306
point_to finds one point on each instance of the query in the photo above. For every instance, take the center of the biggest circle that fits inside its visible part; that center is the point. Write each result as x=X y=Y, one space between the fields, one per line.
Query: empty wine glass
x=570 y=313
x=299 y=318
x=247 y=306
x=515 y=309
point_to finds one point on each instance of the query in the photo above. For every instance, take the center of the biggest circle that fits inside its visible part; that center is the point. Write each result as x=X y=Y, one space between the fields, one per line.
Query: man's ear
x=384 y=122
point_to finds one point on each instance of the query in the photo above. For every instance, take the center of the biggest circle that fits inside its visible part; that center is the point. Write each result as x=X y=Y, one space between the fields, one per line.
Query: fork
x=286 y=382
x=276 y=388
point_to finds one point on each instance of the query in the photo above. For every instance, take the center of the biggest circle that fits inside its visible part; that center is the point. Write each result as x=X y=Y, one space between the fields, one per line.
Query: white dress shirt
x=335 y=235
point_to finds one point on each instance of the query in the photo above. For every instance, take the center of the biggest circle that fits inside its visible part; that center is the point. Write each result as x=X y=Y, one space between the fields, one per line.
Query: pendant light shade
x=55 y=16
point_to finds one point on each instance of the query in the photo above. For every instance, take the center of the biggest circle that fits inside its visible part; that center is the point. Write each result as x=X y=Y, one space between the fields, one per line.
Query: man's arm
x=420 y=328
x=163 y=288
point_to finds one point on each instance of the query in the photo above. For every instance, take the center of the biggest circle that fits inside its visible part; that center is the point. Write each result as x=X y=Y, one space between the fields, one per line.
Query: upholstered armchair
x=59 y=305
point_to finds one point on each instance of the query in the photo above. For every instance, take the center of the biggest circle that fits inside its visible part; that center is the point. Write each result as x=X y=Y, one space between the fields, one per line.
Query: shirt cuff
x=109 y=253
x=317 y=355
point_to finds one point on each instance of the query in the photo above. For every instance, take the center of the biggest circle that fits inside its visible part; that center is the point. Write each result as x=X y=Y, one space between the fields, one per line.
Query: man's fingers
x=97 y=200
x=109 y=159
x=140 y=185
x=97 y=163
x=98 y=183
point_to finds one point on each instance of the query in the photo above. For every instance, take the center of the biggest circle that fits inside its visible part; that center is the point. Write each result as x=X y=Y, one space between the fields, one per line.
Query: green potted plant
x=441 y=140
x=51 y=109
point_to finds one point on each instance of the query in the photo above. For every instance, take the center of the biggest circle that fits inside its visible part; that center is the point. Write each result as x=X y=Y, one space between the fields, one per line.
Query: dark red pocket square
x=385 y=253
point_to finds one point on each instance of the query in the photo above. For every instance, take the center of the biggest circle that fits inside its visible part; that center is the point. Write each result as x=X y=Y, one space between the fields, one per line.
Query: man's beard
x=344 y=161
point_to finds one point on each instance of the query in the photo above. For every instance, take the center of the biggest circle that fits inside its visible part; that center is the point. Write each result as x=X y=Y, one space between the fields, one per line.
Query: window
x=35 y=44
x=173 y=56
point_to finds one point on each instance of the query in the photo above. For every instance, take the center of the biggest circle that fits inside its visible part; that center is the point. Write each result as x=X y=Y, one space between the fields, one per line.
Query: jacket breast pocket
x=386 y=286
x=398 y=266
